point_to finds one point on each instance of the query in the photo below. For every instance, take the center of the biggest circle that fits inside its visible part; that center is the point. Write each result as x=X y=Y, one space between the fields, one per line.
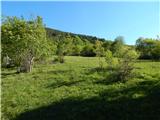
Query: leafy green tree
x=77 y=41
x=68 y=44
x=60 y=53
x=156 y=51
x=61 y=50
x=99 y=52
x=23 y=41
x=148 y=48
x=111 y=60
x=117 y=46
x=107 y=45
x=88 y=50
x=76 y=50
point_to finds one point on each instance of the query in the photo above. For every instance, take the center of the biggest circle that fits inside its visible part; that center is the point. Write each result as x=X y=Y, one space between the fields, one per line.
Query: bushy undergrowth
x=122 y=68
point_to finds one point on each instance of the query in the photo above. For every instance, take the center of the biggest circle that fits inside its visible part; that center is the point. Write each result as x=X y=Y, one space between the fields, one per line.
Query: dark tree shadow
x=121 y=107
x=71 y=79
x=64 y=83
x=110 y=79
x=59 y=72
x=4 y=75
x=98 y=70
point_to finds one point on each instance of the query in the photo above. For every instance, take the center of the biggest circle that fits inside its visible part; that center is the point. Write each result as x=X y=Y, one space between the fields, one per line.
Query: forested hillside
x=84 y=45
x=55 y=33
x=148 y=48
x=78 y=44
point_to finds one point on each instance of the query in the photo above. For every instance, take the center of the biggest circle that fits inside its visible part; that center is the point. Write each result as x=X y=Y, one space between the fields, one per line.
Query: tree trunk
x=26 y=65
x=6 y=62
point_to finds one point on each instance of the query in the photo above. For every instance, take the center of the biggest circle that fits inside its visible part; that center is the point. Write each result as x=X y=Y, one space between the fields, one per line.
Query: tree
x=23 y=41
x=68 y=44
x=77 y=41
x=111 y=60
x=148 y=48
x=99 y=52
x=156 y=51
x=61 y=50
x=107 y=45
x=88 y=50
x=76 y=50
x=117 y=46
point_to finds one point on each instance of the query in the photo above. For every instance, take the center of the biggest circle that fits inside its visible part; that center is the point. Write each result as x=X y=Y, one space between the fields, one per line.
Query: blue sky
x=102 y=19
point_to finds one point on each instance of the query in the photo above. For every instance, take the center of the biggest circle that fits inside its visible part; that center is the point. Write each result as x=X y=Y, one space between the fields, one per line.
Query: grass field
x=75 y=90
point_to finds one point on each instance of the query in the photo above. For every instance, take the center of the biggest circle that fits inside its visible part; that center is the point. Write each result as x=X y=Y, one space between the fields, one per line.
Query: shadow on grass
x=98 y=70
x=71 y=78
x=64 y=83
x=121 y=106
x=59 y=72
x=4 y=75
x=111 y=77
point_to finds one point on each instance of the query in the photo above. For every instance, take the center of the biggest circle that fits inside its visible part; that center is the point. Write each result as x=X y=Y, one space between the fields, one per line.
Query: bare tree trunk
x=6 y=61
x=26 y=65
x=29 y=65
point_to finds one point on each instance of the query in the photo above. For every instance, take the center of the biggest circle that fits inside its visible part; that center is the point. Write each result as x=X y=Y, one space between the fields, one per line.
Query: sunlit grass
x=76 y=78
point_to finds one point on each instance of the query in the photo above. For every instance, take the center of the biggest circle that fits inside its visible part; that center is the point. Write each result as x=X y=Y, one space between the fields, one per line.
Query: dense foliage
x=148 y=48
x=26 y=40
x=86 y=45
x=117 y=46
x=77 y=44
x=126 y=66
x=23 y=41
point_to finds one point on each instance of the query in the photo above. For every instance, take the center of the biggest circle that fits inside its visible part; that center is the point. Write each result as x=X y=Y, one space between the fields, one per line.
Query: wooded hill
x=76 y=44
x=52 y=33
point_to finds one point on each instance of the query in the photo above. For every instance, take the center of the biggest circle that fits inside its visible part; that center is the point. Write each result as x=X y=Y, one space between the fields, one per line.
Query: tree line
x=148 y=48
x=26 y=41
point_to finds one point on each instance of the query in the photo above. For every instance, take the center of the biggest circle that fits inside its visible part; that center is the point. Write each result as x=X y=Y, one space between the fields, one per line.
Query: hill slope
x=53 y=33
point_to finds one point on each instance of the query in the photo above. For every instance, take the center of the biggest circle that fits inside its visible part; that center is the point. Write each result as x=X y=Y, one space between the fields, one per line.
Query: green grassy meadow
x=76 y=90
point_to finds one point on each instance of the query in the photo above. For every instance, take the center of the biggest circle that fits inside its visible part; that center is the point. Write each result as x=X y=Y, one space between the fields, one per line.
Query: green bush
x=122 y=68
x=125 y=66
x=148 y=48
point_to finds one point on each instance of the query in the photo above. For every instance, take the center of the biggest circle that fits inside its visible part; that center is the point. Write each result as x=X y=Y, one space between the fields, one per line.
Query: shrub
x=125 y=68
